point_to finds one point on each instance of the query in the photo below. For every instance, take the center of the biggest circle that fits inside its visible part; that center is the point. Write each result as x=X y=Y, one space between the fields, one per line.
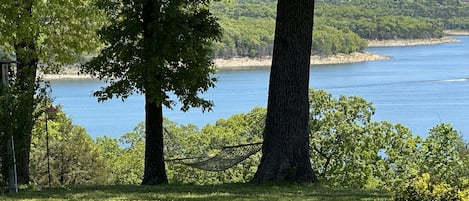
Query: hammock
x=228 y=157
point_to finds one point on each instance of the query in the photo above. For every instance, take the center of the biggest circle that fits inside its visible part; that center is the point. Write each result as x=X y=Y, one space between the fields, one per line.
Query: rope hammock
x=228 y=157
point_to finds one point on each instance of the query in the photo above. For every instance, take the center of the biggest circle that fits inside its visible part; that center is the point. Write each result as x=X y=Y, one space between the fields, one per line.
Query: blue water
x=419 y=87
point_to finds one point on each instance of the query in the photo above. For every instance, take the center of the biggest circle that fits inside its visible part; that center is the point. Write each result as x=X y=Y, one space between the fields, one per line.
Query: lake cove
x=419 y=87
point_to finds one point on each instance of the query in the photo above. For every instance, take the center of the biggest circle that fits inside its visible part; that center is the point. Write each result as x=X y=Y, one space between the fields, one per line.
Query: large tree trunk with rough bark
x=24 y=107
x=25 y=84
x=155 y=172
x=285 y=150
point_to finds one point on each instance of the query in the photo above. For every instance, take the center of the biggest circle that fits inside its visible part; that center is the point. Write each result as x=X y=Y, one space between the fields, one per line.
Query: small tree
x=53 y=32
x=342 y=147
x=440 y=153
x=156 y=48
x=74 y=156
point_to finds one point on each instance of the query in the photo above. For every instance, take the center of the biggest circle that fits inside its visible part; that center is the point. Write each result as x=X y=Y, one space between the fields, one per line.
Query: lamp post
x=49 y=114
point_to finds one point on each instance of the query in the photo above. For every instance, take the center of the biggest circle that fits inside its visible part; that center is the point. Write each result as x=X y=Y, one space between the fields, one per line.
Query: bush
x=423 y=188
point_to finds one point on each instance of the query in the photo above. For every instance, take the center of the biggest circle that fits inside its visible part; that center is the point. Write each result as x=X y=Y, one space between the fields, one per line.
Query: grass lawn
x=223 y=192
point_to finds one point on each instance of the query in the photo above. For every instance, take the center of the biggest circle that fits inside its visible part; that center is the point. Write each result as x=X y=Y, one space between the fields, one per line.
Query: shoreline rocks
x=411 y=42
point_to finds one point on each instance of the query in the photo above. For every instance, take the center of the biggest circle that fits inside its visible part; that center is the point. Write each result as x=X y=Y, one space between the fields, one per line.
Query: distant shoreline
x=240 y=63
x=244 y=62
x=411 y=42
x=456 y=33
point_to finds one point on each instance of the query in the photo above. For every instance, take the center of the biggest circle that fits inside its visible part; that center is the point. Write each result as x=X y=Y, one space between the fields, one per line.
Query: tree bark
x=155 y=172
x=27 y=58
x=23 y=112
x=285 y=148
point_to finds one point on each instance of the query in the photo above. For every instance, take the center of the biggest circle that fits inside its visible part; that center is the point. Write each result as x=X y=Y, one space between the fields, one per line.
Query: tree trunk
x=155 y=172
x=286 y=149
x=23 y=112
x=27 y=58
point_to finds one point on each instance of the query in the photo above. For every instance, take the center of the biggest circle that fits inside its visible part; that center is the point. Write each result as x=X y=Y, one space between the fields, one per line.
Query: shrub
x=423 y=188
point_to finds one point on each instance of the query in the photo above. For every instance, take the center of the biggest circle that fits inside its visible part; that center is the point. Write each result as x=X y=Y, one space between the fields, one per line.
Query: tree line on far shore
x=340 y=26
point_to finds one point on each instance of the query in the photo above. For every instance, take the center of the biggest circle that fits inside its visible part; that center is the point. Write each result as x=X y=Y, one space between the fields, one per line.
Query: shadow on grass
x=177 y=192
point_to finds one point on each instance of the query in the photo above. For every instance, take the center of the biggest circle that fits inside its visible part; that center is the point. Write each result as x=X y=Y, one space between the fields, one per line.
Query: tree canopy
x=39 y=33
x=161 y=49
x=62 y=31
x=175 y=59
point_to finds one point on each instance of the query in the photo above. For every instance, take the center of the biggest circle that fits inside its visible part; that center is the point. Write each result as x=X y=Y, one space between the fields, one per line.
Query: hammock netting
x=228 y=157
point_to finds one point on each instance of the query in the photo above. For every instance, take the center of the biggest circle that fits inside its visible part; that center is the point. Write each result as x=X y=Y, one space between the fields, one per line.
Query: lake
x=419 y=87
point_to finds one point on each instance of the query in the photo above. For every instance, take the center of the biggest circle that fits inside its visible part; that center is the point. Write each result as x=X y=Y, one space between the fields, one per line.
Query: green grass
x=223 y=192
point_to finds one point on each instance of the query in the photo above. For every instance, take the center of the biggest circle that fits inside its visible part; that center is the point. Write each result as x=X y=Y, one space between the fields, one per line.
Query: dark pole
x=47 y=148
x=48 y=111
x=13 y=188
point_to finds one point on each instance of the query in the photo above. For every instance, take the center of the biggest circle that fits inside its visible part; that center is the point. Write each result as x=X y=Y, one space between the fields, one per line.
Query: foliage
x=423 y=188
x=442 y=168
x=245 y=37
x=398 y=154
x=458 y=23
x=9 y=105
x=171 y=55
x=124 y=157
x=160 y=49
x=74 y=157
x=62 y=30
x=439 y=10
x=371 y=153
x=238 y=129
x=329 y=41
x=342 y=149
x=373 y=25
x=348 y=149
x=179 y=192
x=248 y=31
x=46 y=32
x=248 y=26
x=440 y=154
